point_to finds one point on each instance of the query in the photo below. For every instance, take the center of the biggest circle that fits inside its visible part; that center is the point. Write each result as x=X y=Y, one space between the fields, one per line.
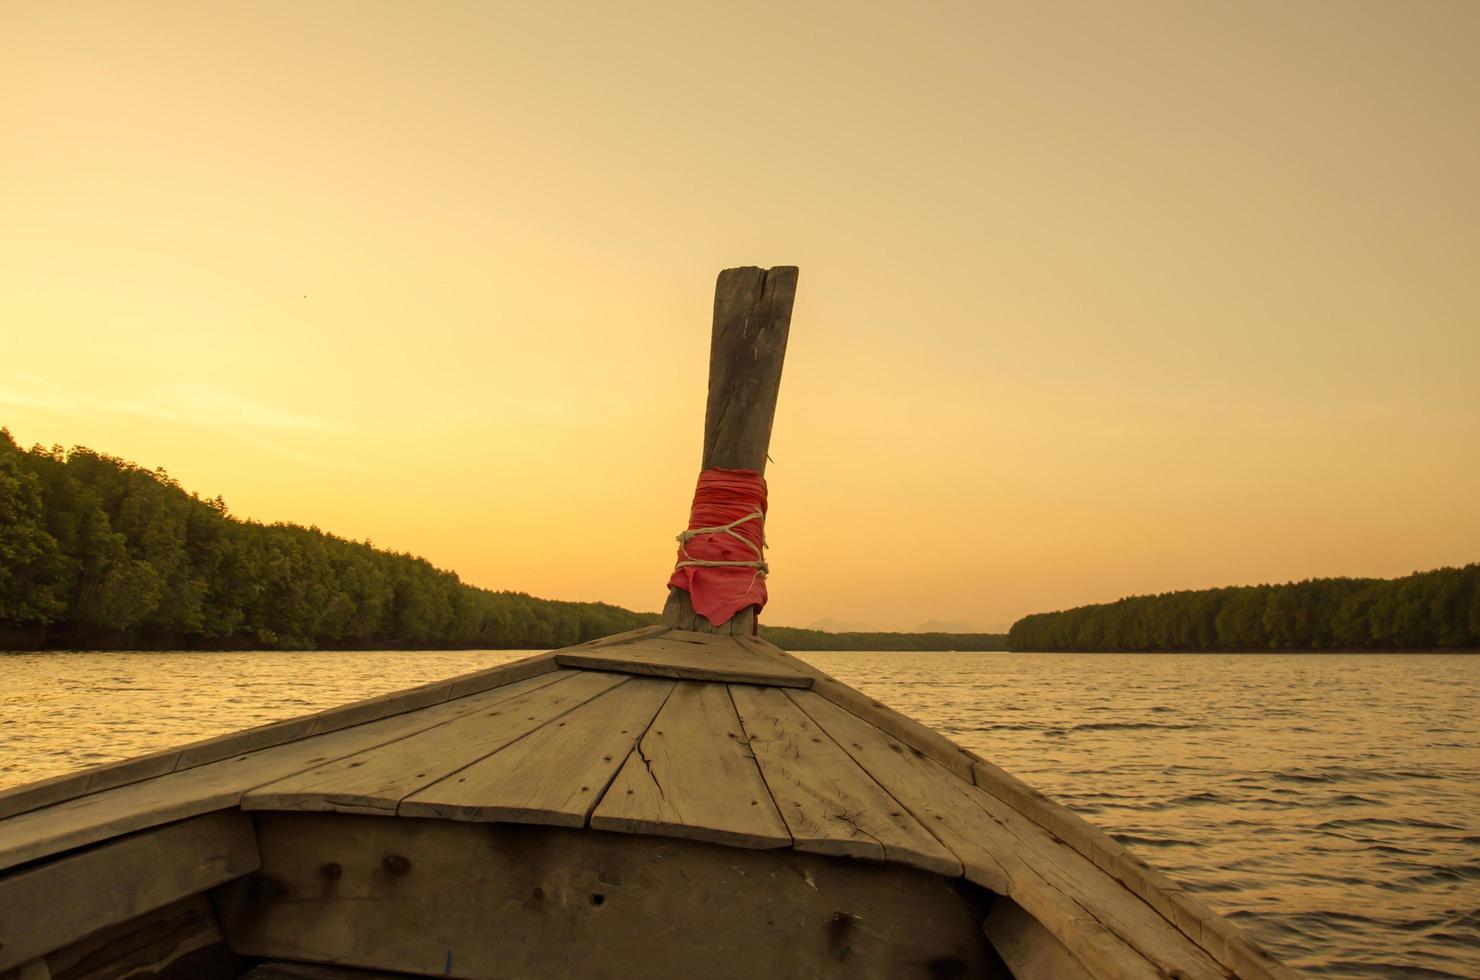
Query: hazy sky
x=1095 y=298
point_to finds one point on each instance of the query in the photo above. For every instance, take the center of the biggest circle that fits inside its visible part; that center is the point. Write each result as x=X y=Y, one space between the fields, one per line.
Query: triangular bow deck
x=762 y=754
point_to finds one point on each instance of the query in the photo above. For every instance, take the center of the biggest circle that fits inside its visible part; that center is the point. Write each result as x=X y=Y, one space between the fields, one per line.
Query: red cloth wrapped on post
x=721 y=558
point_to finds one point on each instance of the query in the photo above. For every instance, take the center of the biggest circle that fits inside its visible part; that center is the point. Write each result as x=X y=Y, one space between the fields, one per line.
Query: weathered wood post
x=752 y=318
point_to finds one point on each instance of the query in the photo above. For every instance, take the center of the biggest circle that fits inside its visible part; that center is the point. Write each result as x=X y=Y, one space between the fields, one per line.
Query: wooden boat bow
x=684 y=799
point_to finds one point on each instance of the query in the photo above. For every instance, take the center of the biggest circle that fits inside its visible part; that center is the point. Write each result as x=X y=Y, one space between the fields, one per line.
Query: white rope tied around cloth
x=760 y=566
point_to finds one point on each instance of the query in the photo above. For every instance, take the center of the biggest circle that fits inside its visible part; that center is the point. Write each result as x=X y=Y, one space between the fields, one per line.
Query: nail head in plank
x=693 y=775
x=46 y=907
x=556 y=774
x=514 y=900
x=830 y=805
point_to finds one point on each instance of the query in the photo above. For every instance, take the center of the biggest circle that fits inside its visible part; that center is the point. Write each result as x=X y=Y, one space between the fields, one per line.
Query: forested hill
x=97 y=552
x=1426 y=610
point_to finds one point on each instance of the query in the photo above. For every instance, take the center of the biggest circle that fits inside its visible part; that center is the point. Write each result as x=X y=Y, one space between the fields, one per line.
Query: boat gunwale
x=1226 y=943
x=16 y=800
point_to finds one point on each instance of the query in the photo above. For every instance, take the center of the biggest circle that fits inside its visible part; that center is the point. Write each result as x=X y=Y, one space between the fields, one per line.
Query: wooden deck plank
x=617 y=639
x=162 y=799
x=15 y=800
x=1009 y=854
x=378 y=779
x=47 y=907
x=557 y=773
x=693 y=775
x=906 y=729
x=692 y=656
x=830 y=805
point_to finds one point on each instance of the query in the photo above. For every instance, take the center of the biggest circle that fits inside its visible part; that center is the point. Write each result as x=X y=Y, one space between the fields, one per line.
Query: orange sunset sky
x=1095 y=299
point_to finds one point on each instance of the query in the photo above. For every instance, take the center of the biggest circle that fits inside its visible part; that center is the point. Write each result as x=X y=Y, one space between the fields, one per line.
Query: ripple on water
x=1327 y=803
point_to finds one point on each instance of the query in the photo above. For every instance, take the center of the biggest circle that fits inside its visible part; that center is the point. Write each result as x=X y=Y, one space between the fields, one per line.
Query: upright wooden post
x=752 y=318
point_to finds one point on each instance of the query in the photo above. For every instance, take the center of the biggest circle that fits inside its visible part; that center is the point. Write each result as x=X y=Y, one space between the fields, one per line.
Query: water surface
x=1329 y=803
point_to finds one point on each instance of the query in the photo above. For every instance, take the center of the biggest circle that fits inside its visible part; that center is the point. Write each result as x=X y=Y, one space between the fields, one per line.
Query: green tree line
x=1425 y=610
x=792 y=638
x=98 y=552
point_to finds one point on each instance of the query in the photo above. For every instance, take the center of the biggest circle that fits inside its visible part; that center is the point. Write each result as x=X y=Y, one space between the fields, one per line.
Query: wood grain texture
x=752 y=319
x=689 y=655
x=53 y=789
x=1104 y=924
x=693 y=775
x=181 y=941
x=747 y=348
x=1111 y=904
x=830 y=805
x=47 y=907
x=617 y=639
x=280 y=970
x=69 y=786
x=215 y=786
x=378 y=779
x=917 y=736
x=537 y=903
x=678 y=613
x=1222 y=939
x=1028 y=949
x=365 y=711
x=933 y=796
x=557 y=773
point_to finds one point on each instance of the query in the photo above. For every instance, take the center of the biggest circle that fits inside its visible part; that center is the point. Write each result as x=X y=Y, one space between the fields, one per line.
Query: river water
x=1329 y=803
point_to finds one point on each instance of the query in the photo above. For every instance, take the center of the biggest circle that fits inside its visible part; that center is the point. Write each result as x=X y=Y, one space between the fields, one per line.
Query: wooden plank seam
x=109 y=775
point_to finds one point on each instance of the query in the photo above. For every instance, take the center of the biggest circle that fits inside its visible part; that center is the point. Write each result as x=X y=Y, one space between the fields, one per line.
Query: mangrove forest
x=1439 y=609
x=96 y=552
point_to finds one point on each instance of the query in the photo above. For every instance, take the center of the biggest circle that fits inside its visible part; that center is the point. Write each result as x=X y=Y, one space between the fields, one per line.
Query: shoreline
x=437 y=648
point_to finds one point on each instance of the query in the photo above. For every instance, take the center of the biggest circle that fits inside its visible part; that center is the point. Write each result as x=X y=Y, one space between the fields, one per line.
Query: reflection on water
x=1329 y=803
